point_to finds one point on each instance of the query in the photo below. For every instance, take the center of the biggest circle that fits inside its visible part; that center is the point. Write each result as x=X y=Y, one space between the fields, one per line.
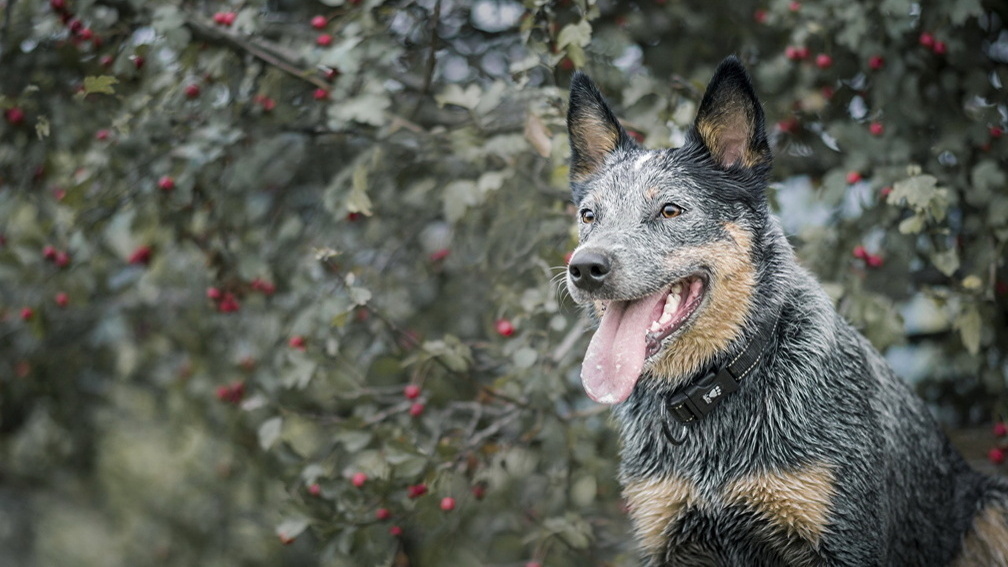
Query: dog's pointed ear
x=730 y=121
x=593 y=129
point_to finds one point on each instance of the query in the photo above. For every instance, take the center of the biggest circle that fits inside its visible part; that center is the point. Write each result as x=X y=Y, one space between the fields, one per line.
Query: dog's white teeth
x=665 y=318
x=655 y=327
x=671 y=304
x=676 y=289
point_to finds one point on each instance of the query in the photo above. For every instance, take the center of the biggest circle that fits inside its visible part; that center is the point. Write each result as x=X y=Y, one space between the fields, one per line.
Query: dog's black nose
x=588 y=269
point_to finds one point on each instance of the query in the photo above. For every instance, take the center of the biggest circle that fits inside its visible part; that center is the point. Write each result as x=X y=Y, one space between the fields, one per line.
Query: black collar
x=699 y=397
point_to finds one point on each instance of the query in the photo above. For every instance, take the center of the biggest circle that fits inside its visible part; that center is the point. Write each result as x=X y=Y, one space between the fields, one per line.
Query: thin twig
x=258 y=48
x=431 y=60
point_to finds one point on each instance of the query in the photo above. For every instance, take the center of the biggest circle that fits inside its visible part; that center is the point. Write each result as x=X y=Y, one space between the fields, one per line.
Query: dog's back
x=758 y=427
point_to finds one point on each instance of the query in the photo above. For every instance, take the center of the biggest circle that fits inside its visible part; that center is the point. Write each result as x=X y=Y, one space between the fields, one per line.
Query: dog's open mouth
x=631 y=332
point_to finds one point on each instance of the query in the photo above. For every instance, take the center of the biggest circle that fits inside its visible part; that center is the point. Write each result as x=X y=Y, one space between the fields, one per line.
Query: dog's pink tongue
x=615 y=354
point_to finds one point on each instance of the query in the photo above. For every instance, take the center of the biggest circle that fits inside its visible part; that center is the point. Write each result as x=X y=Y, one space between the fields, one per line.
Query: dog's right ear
x=593 y=129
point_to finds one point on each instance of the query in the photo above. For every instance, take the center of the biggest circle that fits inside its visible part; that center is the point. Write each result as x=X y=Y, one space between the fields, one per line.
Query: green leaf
x=969 y=324
x=947 y=262
x=269 y=432
x=101 y=84
x=292 y=527
x=454 y=94
x=358 y=201
x=578 y=34
x=912 y=224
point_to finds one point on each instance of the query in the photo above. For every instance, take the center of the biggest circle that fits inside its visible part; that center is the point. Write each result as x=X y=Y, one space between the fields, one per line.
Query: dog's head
x=666 y=236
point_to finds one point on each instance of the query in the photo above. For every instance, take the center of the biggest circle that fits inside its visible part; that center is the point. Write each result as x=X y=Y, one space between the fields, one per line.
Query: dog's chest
x=776 y=514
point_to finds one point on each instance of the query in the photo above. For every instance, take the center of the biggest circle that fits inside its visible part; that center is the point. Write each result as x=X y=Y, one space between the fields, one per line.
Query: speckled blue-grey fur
x=821 y=395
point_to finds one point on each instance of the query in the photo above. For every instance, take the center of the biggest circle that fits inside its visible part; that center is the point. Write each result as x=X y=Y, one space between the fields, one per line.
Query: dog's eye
x=670 y=210
x=587 y=216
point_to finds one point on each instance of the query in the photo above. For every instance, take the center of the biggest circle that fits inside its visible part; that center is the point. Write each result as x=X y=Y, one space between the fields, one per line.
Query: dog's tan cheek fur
x=797 y=501
x=987 y=543
x=728 y=304
x=654 y=504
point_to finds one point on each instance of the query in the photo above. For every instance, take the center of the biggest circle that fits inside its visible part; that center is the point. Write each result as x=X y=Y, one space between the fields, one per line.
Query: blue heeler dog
x=758 y=427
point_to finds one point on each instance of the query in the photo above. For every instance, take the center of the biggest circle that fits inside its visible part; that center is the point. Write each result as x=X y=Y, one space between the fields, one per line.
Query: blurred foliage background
x=279 y=279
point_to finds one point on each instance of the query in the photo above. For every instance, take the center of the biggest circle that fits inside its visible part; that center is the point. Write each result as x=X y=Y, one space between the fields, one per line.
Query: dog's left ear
x=593 y=128
x=730 y=120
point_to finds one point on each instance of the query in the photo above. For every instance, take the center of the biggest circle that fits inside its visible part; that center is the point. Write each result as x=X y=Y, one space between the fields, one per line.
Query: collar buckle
x=702 y=396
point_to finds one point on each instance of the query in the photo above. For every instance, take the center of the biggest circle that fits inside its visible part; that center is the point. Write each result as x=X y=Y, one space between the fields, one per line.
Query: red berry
x=14 y=116
x=286 y=539
x=27 y=313
x=791 y=52
x=228 y=304
x=823 y=61
x=138 y=61
x=411 y=391
x=213 y=293
x=142 y=255
x=416 y=490
x=166 y=183
x=853 y=177
x=876 y=62
x=324 y=40
x=358 y=479
x=101 y=135
x=192 y=91
x=885 y=191
x=263 y=286
x=504 y=327
x=876 y=128
x=996 y=455
x=59 y=193
x=320 y=94
x=267 y=103
x=57 y=5
x=353 y=217
x=297 y=342
x=479 y=491
x=996 y=132
x=637 y=136
x=438 y=255
x=395 y=531
x=49 y=253
x=62 y=299
x=926 y=39
x=794 y=6
x=1000 y=429
x=106 y=60
x=86 y=34
x=827 y=92
x=789 y=125
x=416 y=409
x=229 y=18
x=319 y=22
x=218 y=18
x=447 y=503
x=874 y=261
x=331 y=73
x=860 y=252
x=566 y=64
x=383 y=513
x=939 y=48
x=760 y=16
x=61 y=259
x=75 y=26
x=314 y=489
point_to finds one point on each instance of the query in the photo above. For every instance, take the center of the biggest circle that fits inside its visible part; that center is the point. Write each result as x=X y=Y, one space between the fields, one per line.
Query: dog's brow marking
x=797 y=501
x=654 y=504
x=987 y=542
x=730 y=290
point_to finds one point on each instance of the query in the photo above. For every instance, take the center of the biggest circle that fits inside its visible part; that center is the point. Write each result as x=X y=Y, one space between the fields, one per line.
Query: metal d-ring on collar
x=701 y=396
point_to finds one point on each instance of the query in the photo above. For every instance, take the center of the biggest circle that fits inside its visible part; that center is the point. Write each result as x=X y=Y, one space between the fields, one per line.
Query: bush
x=297 y=265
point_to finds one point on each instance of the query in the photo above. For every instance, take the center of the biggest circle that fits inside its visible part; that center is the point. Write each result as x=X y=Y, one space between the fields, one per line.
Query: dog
x=757 y=426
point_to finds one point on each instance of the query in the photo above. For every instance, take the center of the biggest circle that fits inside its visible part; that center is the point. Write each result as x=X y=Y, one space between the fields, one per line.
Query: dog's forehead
x=639 y=176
